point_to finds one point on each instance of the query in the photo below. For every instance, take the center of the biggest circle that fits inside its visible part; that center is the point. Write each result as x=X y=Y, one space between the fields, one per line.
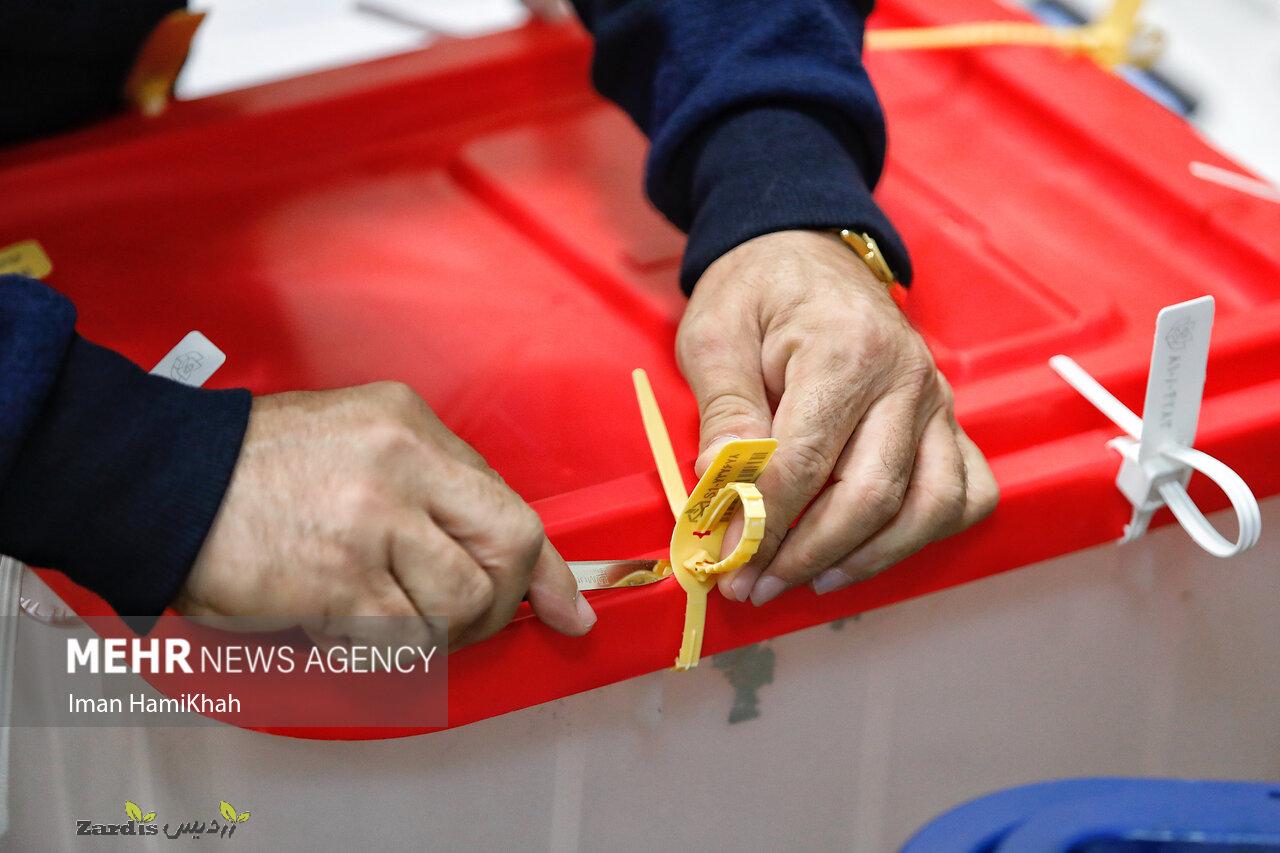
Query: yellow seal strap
x=26 y=258
x=1116 y=38
x=702 y=518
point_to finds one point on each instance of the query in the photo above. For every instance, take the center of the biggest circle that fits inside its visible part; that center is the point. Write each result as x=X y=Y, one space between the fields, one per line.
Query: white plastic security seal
x=1157 y=457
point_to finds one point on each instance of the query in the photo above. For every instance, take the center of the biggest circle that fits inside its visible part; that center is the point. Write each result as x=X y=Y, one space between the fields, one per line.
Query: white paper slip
x=192 y=361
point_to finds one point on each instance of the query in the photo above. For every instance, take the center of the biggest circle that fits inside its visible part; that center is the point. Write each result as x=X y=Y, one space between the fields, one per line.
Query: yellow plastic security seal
x=699 y=535
x=1116 y=38
x=26 y=258
x=702 y=517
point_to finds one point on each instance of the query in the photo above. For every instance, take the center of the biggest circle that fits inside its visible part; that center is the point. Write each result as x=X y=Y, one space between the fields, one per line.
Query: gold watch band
x=865 y=245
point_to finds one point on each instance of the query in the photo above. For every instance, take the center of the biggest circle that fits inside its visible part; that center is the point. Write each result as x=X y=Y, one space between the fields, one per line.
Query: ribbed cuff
x=776 y=168
x=121 y=478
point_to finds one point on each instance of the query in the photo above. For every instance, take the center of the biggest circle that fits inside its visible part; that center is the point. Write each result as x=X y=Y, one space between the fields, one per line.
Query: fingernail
x=720 y=442
x=705 y=457
x=767 y=589
x=585 y=614
x=830 y=581
x=742 y=584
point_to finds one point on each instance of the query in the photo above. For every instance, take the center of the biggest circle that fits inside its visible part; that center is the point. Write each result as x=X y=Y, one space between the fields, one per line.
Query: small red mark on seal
x=702 y=534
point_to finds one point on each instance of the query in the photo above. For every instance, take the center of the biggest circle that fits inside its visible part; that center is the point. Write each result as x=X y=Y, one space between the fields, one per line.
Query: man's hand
x=794 y=321
x=354 y=509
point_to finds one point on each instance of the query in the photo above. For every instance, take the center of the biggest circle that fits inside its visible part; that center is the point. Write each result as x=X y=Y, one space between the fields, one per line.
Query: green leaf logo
x=229 y=812
x=135 y=814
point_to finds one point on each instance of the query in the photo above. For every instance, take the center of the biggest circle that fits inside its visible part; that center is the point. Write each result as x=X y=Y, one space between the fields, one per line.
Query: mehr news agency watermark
x=175 y=656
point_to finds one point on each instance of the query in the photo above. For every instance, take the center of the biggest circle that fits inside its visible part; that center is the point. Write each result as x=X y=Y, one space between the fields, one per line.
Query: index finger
x=820 y=406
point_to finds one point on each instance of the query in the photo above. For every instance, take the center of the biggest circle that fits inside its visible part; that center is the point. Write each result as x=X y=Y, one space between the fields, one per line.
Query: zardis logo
x=143 y=823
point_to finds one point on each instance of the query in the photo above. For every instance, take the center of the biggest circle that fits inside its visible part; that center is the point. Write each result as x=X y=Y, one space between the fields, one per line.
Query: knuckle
x=984 y=496
x=706 y=339
x=396 y=397
x=361 y=506
x=882 y=496
x=348 y=558
x=700 y=337
x=945 y=393
x=727 y=408
x=944 y=503
x=802 y=565
x=391 y=439
x=810 y=462
x=516 y=530
x=874 y=339
x=472 y=592
x=528 y=534
x=918 y=375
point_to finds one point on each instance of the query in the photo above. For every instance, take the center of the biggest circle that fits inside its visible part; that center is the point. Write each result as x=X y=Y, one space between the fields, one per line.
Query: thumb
x=728 y=382
x=709 y=452
x=729 y=386
x=554 y=596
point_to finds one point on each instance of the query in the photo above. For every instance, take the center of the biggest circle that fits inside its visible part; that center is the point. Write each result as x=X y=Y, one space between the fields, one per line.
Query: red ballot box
x=469 y=219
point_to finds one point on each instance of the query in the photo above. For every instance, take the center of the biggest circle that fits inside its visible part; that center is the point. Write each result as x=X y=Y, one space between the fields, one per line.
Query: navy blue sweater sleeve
x=760 y=115
x=107 y=473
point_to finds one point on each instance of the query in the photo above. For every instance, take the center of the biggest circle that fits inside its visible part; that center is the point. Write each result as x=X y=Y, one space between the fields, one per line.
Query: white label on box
x=192 y=361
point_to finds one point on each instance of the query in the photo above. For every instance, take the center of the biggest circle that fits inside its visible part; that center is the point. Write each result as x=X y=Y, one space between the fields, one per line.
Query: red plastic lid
x=355 y=225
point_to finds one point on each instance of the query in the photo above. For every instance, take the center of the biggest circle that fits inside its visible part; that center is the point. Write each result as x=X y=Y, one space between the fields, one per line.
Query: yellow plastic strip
x=695 y=588
x=26 y=258
x=700 y=528
x=981 y=34
x=660 y=443
x=703 y=516
x=1115 y=39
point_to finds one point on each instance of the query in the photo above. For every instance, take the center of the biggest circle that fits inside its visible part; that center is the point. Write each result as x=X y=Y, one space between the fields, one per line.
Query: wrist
x=742 y=189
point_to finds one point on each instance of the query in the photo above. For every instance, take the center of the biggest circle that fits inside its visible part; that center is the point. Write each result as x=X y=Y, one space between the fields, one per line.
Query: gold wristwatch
x=865 y=245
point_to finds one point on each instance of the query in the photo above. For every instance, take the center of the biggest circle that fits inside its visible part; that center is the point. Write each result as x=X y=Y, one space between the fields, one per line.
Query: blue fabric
x=107 y=473
x=36 y=329
x=760 y=114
